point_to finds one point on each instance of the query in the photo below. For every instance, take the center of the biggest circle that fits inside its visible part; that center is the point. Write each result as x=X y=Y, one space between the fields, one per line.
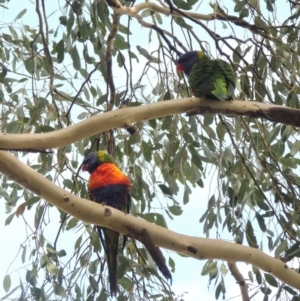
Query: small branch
x=110 y=49
x=127 y=74
x=59 y=230
x=81 y=88
x=45 y=41
x=240 y=280
x=163 y=34
x=105 y=216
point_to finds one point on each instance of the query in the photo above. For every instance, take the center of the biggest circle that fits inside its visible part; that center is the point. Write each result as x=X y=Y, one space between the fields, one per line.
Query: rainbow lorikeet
x=207 y=78
x=108 y=185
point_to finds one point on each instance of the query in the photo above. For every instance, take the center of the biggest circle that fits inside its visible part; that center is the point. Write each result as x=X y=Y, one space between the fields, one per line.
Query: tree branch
x=121 y=118
x=105 y=216
x=110 y=49
x=240 y=280
x=134 y=10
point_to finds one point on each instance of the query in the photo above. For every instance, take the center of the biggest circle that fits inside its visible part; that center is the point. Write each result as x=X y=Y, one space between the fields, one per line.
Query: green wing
x=212 y=78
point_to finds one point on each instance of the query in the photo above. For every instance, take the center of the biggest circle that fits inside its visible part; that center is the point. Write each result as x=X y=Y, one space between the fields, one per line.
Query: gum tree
x=81 y=76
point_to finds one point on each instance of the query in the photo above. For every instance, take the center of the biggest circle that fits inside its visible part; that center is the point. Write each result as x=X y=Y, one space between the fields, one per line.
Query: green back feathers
x=207 y=77
x=212 y=78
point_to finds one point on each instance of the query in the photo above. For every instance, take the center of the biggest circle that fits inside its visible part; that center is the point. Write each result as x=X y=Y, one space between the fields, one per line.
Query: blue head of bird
x=186 y=61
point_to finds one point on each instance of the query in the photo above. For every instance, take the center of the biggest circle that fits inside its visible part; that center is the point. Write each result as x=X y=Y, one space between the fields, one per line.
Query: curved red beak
x=179 y=68
x=84 y=167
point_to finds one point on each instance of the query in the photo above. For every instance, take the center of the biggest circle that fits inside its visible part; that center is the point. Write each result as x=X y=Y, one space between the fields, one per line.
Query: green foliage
x=57 y=72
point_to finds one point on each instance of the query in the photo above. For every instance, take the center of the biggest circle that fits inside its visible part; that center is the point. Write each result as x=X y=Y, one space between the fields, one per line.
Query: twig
x=162 y=33
x=127 y=74
x=82 y=86
x=240 y=280
x=110 y=48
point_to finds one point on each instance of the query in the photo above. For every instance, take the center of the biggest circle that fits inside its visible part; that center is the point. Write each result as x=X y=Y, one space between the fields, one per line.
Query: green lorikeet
x=207 y=78
x=108 y=185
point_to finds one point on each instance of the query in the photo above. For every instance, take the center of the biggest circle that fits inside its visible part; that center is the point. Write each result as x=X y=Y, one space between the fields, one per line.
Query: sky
x=187 y=278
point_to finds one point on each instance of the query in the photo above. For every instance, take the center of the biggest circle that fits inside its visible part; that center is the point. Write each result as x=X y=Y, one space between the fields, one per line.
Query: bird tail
x=110 y=242
x=220 y=89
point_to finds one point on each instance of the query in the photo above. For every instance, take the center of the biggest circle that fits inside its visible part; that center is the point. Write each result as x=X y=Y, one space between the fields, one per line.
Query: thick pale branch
x=134 y=10
x=118 y=8
x=121 y=118
x=252 y=109
x=90 y=212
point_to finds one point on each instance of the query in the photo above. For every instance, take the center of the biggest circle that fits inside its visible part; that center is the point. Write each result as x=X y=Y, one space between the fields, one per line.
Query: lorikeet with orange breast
x=108 y=185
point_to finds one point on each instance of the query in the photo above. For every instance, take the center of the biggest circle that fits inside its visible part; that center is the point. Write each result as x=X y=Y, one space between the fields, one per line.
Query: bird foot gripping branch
x=107 y=184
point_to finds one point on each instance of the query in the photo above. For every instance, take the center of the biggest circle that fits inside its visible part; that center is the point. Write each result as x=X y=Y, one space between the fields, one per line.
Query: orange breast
x=107 y=174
